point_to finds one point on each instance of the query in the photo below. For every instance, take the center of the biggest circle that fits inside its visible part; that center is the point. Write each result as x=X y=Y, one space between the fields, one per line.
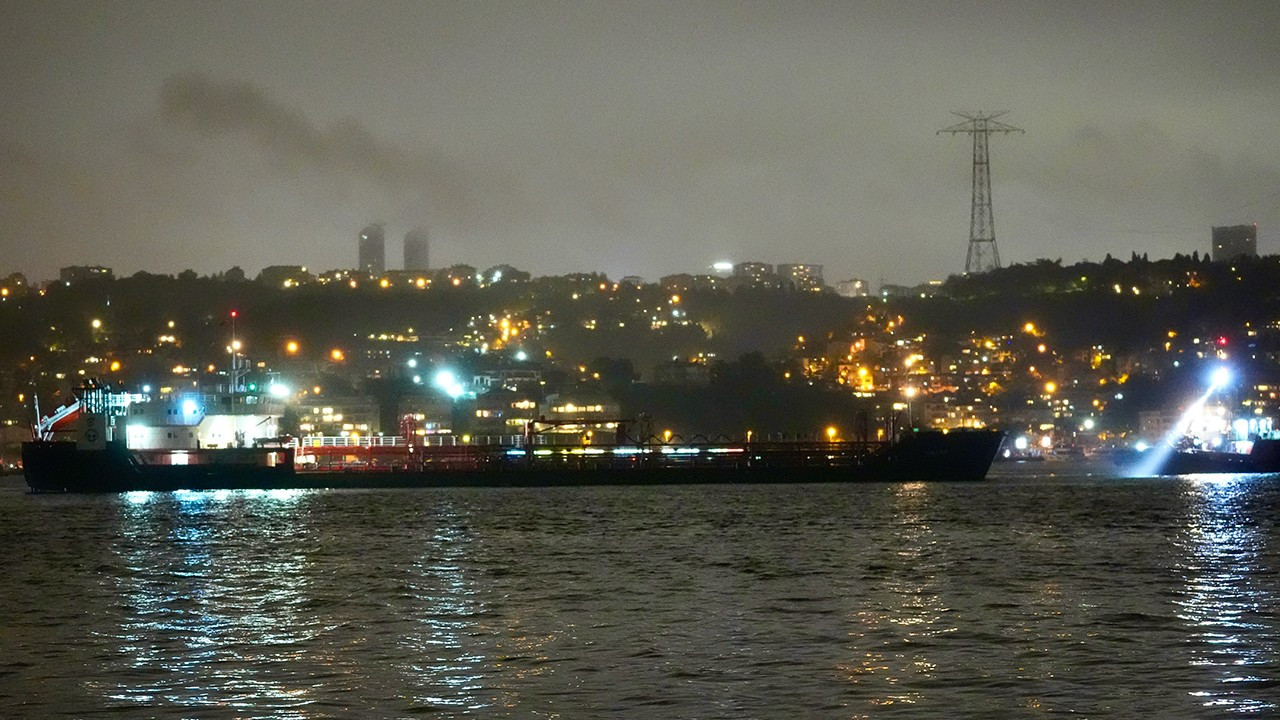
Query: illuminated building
x=416 y=250
x=684 y=282
x=589 y=415
x=503 y=412
x=80 y=273
x=1232 y=241
x=338 y=415
x=753 y=275
x=372 y=252
x=756 y=271
x=802 y=276
x=852 y=288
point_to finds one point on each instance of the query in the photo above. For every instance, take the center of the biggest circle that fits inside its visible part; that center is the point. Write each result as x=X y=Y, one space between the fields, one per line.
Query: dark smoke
x=415 y=181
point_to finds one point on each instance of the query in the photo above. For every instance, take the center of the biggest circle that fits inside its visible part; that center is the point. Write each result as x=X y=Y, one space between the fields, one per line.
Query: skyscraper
x=416 y=249
x=373 y=250
x=1232 y=241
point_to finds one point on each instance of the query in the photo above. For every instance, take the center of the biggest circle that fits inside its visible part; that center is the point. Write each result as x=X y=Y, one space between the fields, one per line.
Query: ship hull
x=56 y=467
x=1264 y=458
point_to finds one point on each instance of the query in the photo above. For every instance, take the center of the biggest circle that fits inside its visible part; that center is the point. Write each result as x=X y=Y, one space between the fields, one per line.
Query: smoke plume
x=416 y=182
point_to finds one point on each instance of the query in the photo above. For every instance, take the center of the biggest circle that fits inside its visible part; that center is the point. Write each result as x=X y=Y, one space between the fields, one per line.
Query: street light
x=909 y=393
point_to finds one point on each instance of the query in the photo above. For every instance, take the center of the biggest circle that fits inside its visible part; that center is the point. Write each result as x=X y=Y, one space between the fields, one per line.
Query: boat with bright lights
x=1207 y=438
x=108 y=441
x=1260 y=455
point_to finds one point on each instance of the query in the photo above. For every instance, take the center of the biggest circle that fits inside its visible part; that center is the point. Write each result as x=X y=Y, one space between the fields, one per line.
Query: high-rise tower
x=416 y=249
x=983 y=254
x=372 y=255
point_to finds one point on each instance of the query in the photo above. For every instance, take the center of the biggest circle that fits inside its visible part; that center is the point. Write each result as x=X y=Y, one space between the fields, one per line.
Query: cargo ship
x=107 y=441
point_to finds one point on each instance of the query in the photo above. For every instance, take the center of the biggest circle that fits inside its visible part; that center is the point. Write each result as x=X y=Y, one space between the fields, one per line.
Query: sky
x=631 y=138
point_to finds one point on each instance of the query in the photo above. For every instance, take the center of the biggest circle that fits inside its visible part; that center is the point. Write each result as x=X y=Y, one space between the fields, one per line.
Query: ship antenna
x=35 y=399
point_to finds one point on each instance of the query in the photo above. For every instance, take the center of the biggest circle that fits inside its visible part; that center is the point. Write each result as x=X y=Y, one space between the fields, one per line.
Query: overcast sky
x=640 y=138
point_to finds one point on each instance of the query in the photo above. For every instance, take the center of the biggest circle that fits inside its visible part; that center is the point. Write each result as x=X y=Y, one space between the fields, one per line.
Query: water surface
x=1039 y=592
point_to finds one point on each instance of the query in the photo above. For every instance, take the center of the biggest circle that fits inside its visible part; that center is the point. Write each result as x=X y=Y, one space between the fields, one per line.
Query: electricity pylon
x=983 y=254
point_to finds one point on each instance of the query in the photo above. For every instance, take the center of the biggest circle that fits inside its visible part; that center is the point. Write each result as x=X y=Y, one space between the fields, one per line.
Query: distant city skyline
x=643 y=139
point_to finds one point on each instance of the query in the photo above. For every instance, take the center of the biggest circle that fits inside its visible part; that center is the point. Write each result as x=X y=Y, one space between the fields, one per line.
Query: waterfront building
x=590 y=415
x=354 y=415
x=416 y=250
x=425 y=414
x=372 y=250
x=1233 y=241
x=951 y=413
x=504 y=412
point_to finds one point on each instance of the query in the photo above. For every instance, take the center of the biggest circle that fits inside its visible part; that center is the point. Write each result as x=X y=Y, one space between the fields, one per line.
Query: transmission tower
x=983 y=254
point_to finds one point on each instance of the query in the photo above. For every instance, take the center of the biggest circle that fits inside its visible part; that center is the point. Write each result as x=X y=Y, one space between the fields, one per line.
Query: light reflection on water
x=1227 y=595
x=443 y=601
x=1022 y=596
x=890 y=638
x=200 y=608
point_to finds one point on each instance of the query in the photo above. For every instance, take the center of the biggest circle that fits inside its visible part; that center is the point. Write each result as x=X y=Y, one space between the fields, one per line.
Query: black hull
x=1265 y=458
x=57 y=467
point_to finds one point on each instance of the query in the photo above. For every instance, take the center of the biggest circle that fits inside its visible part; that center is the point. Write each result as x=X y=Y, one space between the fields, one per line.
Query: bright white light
x=188 y=407
x=722 y=266
x=1154 y=460
x=417 y=379
x=522 y=355
x=1088 y=423
x=278 y=390
x=1141 y=446
x=146 y=388
x=1021 y=443
x=413 y=362
x=446 y=381
x=1221 y=377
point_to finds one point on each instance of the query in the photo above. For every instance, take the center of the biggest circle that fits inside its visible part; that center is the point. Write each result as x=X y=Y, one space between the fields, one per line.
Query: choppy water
x=1022 y=596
